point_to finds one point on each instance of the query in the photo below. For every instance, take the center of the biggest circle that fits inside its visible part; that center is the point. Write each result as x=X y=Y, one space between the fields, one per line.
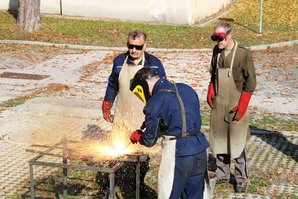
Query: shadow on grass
x=125 y=182
x=230 y=20
x=48 y=186
x=13 y=13
x=282 y=144
x=46 y=191
x=12 y=8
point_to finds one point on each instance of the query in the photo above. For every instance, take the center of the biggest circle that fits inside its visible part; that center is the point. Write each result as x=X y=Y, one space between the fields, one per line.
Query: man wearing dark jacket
x=233 y=81
x=128 y=108
x=172 y=112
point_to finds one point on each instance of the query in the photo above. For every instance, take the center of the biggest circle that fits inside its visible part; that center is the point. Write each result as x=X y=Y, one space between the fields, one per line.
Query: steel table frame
x=111 y=171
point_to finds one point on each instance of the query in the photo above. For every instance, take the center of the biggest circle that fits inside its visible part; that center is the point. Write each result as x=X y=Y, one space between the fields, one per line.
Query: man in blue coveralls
x=172 y=112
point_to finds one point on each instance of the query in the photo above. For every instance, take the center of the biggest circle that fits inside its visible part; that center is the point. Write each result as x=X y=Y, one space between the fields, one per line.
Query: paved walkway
x=47 y=117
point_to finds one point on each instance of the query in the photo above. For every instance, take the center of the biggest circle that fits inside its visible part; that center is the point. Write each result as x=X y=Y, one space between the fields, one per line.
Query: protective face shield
x=139 y=86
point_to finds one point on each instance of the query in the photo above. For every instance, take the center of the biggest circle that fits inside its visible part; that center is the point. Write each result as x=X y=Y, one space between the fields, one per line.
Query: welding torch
x=143 y=126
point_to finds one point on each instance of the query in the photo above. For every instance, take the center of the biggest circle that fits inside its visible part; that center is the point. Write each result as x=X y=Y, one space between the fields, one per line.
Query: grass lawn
x=280 y=22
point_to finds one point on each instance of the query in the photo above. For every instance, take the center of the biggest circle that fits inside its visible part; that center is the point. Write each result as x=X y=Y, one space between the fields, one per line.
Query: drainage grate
x=23 y=76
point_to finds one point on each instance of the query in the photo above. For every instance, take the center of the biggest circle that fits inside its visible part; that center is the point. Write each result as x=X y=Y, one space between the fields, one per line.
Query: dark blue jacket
x=112 y=88
x=163 y=117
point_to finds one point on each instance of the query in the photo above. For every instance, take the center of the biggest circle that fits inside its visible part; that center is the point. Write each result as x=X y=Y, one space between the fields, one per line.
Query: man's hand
x=135 y=137
x=211 y=96
x=106 y=111
x=241 y=108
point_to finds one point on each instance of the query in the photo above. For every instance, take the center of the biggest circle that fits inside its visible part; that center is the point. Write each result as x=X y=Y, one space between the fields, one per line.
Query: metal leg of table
x=31 y=181
x=112 y=185
x=64 y=179
x=138 y=166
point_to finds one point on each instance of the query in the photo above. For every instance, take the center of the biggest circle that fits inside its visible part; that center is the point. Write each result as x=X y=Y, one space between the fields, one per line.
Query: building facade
x=164 y=11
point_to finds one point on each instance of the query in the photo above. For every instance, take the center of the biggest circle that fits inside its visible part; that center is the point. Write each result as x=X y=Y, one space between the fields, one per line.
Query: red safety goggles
x=219 y=36
x=138 y=47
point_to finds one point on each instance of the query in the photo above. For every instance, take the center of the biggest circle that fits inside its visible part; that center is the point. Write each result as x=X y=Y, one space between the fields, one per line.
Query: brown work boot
x=241 y=187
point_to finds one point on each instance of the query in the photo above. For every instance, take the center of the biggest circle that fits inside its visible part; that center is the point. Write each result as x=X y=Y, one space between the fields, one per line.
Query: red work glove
x=106 y=111
x=242 y=106
x=211 y=96
x=135 y=137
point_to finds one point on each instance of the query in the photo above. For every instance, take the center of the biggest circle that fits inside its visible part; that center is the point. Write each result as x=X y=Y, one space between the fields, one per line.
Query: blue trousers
x=189 y=176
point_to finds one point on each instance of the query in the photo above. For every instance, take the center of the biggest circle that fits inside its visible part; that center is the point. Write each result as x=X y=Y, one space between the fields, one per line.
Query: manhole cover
x=23 y=76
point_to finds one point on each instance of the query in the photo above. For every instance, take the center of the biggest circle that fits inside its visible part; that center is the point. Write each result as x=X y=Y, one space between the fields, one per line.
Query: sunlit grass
x=13 y=102
x=274 y=123
x=279 y=24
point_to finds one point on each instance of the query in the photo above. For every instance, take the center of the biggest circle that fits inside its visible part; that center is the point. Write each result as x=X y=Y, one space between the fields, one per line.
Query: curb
x=87 y=47
x=274 y=45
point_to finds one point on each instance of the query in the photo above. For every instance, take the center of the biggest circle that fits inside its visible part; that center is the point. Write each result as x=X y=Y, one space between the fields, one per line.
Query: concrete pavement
x=49 y=115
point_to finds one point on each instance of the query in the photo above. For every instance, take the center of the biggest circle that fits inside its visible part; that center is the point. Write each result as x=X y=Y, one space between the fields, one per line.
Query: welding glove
x=241 y=108
x=135 y=137
x=106 y=111
x=211 y=96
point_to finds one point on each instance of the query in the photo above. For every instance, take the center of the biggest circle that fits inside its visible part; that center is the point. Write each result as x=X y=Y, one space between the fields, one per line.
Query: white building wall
x=209 y=7
x=8 y=4
x=165 y=11
x=178 y=11
x=50 y=6
x=115 y=9
x=169 y=11
x=46 y=6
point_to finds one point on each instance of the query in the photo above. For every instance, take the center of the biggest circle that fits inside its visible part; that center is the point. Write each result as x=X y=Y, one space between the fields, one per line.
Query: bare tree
x=29 y=15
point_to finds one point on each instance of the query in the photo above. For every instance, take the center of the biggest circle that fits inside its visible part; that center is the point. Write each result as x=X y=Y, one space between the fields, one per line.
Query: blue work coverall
x=183 y=165
x=150 y=62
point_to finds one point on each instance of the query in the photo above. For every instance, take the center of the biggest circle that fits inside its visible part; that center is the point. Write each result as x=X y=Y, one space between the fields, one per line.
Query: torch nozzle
x=127 y=146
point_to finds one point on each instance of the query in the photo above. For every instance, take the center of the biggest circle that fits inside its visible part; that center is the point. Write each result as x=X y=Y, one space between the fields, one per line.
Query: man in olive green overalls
x=233 y=81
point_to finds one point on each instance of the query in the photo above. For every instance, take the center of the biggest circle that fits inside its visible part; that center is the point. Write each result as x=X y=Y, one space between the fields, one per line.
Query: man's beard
x=221 y=46
x=137 y=56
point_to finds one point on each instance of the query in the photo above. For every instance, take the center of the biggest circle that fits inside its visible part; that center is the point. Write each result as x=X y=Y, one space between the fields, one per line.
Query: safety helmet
x=139 y=85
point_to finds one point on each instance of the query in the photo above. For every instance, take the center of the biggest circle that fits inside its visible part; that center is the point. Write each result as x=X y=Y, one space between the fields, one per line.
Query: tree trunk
x=29 y=15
